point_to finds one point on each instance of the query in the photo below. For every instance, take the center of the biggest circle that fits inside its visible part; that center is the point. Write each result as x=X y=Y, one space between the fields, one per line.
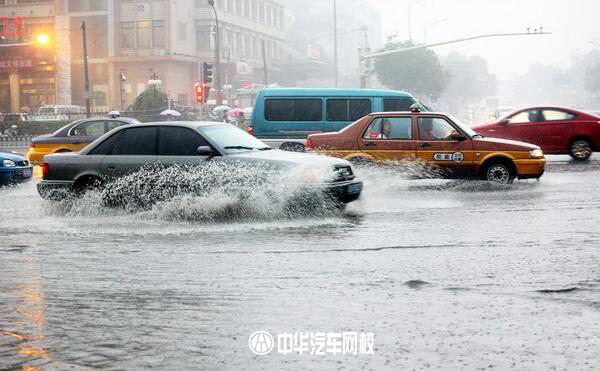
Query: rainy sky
x=574 y=24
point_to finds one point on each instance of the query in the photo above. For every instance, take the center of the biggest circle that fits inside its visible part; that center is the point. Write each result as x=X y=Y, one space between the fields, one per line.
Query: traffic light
x=207 y=73
x=199 y=88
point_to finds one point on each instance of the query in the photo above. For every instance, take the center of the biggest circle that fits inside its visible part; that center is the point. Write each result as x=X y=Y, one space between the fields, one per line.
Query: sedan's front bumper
x=343 y=192
x=17 y=174
x=55 y=189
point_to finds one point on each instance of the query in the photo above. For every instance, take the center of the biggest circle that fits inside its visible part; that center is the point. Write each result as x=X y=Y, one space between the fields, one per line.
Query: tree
x=469 y=78
x=419 y=71
x=150 y=99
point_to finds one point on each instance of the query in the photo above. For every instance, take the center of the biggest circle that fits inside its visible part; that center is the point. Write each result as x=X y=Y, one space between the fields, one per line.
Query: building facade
x=135 y=39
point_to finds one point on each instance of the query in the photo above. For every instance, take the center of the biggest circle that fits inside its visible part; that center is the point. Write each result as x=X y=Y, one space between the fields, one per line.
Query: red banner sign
x=12 y=29
x=7 y=64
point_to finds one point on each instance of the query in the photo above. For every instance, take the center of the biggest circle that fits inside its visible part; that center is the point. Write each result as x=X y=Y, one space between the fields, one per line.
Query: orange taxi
x=437 y=139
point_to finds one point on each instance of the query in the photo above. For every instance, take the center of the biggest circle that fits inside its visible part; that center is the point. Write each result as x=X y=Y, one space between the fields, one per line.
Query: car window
x=347 y=109
x=136 y=141
x=433 y=128
x=114 y=124
x=88 y=129
x=175 y=141
x=397 y=104
x=556 y=115
x=524 y=117
x=106 y=147
x=293 y=109
x=399 y=128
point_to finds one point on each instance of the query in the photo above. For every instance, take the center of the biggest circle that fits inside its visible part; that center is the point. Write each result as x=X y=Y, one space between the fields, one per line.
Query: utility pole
x=217 y=55
x=87 y=93
x=264 y=56
x=335 y=44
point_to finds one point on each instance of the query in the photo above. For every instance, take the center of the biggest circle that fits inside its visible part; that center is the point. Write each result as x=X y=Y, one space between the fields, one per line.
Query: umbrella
x=235 y=112
x=221 y=109
x=170 y=112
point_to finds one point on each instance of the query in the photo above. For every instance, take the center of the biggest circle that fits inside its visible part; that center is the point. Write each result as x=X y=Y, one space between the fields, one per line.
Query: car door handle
x=425 y=145
x=370 y=144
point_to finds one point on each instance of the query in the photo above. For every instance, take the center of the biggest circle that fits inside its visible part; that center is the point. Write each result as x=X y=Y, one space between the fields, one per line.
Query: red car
x=557 y=130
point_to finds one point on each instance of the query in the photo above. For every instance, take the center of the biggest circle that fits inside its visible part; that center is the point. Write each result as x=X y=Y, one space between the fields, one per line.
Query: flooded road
x=446 y=274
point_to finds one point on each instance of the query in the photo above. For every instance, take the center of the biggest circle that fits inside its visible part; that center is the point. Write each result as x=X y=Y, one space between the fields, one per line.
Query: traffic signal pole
x=366 y=57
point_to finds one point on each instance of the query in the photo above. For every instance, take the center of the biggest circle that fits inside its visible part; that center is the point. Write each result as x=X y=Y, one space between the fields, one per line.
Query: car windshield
x=464 y=127
x=232 y=139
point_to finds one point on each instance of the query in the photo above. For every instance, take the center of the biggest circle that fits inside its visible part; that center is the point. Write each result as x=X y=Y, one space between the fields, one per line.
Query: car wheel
x=499 y=173
x=580 y=149
x=87 y=185
x=292 y=147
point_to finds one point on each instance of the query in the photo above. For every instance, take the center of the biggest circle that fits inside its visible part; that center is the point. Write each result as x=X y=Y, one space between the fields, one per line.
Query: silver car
x=128 y=149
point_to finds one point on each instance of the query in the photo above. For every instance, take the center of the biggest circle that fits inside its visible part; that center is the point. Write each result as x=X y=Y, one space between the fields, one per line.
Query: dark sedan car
x=14 y=168
x=130 y=148
x=557 y=130
x=73 y=136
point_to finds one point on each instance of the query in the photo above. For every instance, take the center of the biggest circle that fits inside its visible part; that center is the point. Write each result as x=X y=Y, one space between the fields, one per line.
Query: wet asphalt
x=448 y=275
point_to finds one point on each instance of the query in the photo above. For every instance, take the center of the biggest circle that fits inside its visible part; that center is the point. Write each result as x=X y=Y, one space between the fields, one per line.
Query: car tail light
x=250 y=130
x=31 y=144
x=45 y=169
x=309 y=143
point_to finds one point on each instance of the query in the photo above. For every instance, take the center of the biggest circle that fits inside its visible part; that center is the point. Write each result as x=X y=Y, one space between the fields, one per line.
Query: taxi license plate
x=354 y=188
x=26 y=173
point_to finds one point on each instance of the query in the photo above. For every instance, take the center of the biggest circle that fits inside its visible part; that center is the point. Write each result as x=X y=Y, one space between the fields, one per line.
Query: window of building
x=144 y=34
x=87 y=5
x=239 y=46
x=229 y=5
x=254 y=10
x=238 y=7
x=347 y=109
x=293 y=109
x=203 y=38
x=261 y=12
x=182 y=31
x=247 y=8
x=158 y=34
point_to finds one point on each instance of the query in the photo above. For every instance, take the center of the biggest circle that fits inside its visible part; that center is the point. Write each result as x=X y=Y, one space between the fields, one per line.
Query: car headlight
x=536 y=153
x=8 y=163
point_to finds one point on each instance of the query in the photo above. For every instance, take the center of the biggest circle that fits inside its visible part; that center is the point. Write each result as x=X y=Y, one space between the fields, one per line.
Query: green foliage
x=419 y=72
x=469 y=78
x=150 y=99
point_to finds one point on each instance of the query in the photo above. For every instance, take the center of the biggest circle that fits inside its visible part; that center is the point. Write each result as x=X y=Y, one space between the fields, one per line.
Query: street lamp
x=217 y=54
x=154 y=82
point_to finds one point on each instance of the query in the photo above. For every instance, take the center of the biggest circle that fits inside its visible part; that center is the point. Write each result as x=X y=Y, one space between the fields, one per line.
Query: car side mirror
x=458 y=137
x=504 y=122
x=205 y=151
